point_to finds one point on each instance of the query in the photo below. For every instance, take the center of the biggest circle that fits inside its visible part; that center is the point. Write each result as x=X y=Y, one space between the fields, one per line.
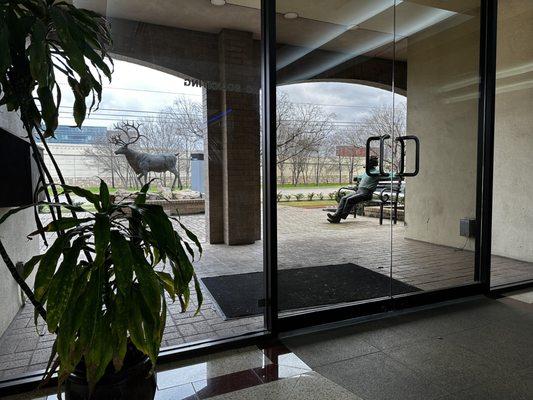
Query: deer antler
x=116 y=140
x=126 y=128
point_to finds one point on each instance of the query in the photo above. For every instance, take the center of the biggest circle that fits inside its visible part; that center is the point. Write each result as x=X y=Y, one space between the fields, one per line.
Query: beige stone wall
x=513 y=152
x=13 y=234
x=442 y=104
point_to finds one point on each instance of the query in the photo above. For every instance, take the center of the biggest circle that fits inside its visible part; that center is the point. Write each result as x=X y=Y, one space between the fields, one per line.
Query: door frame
x=487 y=74
x=274 y=325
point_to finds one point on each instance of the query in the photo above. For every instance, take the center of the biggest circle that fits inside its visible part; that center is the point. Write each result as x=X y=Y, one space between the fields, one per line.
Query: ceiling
x=347 y=27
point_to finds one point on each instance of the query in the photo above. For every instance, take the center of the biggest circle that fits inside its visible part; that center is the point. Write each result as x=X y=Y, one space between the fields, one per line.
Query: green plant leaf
x=150 y=323
x=62 y=285
x=92 y=315
x=70 y=324
x=192 y=237
x=49 y=109
x=168 y=283
x=48 y=265
x=135 y=321
x=5 y=54
x=102 y=236
x=37 y=53
x=119 y=329
x=67 y=43
x=100 y=353
x=148 y=285
x=80 y=110
x=199 y=295
x=30 y=265
x=104 y=195
x=61 y=224
x=123 y=262
x=86 y=194
x=141 y=196
x=160 y=225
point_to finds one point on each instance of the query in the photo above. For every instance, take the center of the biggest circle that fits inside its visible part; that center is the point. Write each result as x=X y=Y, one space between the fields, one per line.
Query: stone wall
x=442 y=110
x=13 y=234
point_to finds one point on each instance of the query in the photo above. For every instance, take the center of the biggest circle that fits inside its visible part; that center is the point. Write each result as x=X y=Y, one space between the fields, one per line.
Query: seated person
x=365 y=190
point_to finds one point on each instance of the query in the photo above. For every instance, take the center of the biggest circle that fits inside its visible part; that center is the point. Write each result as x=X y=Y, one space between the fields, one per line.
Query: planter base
x=131 y=383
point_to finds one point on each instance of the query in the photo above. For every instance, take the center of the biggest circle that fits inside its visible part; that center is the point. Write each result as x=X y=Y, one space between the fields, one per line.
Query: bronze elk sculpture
x=142 y=163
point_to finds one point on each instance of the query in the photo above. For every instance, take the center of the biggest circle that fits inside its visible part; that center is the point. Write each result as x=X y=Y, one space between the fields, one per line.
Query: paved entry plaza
x=305 y=239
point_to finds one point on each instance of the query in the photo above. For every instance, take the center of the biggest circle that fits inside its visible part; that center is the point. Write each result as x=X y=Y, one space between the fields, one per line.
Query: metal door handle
x=381 y=155
x=367 y=155
x=401 y=140
x=369 y=141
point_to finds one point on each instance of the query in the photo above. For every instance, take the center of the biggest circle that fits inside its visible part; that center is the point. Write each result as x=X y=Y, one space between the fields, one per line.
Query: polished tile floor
x=474 y=349
x=305 y=239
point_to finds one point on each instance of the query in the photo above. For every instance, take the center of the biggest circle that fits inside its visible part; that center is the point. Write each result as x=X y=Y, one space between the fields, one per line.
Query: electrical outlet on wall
x=467 y=227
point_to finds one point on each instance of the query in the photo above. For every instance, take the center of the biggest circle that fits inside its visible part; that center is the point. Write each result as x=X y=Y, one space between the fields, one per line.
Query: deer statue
x=141 y=163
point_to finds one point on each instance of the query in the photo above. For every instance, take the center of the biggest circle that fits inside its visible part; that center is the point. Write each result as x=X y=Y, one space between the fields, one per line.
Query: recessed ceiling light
x=290 y=15
x=218 y=2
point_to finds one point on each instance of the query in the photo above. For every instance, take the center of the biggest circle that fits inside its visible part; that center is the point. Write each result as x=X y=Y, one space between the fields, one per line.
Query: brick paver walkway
x=305 y=238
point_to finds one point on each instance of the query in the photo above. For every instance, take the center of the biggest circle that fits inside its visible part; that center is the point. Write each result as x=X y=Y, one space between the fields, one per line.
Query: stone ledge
x=180 y=206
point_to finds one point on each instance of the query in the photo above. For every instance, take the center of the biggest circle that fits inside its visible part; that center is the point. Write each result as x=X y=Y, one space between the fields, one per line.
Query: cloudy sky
x=139 y=92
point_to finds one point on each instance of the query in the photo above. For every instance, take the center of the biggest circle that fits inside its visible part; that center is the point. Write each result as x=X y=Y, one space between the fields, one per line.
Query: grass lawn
x=309 y=204
x=153 y=189
x=96 y=189
x=312 y=185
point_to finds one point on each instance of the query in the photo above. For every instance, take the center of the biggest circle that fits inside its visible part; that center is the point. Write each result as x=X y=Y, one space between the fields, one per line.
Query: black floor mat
x=238 y=295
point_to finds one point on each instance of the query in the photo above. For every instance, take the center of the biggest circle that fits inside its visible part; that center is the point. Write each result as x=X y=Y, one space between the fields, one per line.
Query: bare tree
x=301 y=128
x=187 y=116
x=179 y=129
x=102 y=156
x=387 y=121
x=301 y=131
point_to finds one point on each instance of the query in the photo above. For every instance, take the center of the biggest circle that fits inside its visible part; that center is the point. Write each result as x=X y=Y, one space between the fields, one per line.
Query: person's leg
x=352 y=200
x=340 y=207
x=342 y=204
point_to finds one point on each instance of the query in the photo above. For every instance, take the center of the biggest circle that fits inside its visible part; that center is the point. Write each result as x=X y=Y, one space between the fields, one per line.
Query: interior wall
x=14 y=237
x=442 y=110
x=512 y=229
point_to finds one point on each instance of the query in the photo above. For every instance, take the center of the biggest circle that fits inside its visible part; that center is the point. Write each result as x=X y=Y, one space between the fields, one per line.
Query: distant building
x=350 y=151
x=73 y=135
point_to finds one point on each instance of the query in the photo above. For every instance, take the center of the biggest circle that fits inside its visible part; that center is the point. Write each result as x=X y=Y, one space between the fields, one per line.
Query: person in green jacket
x=366 y=188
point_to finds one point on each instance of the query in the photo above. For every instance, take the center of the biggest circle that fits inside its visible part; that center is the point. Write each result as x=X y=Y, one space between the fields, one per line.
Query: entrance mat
x=238 y=295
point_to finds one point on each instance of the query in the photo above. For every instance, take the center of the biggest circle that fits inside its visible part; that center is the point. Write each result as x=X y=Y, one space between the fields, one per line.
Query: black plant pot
x=132 y=382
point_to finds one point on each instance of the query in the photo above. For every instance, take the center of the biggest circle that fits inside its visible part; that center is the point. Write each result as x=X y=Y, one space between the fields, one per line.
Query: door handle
x=381 y=140
x=381 y=155
x=367 y=155
x=402 y=140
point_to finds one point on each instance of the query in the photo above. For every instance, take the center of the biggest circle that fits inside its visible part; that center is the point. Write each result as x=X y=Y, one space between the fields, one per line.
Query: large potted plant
x=101 y=285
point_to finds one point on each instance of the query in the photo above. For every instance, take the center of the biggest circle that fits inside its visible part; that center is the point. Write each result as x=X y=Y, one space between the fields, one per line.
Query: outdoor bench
x=387 y=194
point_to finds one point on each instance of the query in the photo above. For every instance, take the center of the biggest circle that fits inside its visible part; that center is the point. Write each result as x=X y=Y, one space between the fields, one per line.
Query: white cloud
x=135 y=91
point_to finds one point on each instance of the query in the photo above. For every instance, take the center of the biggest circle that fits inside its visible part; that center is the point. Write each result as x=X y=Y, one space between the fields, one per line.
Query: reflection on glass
x=404 y=75
x=186 y=84
x=439 y=47
x=512 y=220
x=335 y=79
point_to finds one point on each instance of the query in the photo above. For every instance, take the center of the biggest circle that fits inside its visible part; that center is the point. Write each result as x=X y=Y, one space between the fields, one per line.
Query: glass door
x=434 y=142
x=512 y=219
x=335 y=108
